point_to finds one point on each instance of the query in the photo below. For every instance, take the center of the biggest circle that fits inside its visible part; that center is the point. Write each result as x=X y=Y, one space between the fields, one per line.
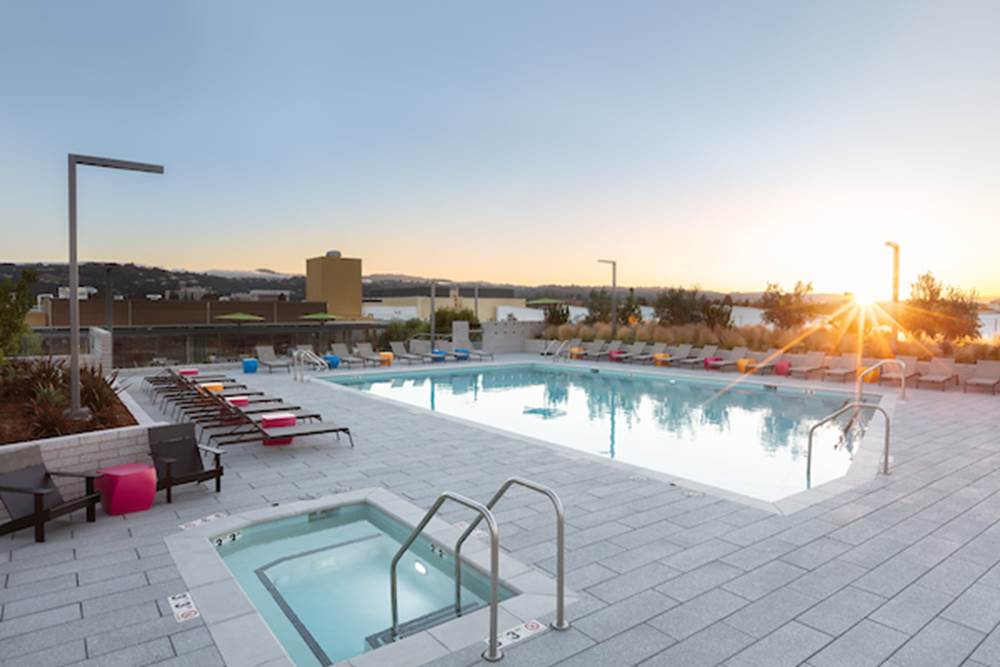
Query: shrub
x=566 y=331
x=48 y=412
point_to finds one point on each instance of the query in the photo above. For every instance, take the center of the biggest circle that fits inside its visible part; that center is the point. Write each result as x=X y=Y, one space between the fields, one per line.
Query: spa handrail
x=834 y=415
x=560 y=622
x=492 y=653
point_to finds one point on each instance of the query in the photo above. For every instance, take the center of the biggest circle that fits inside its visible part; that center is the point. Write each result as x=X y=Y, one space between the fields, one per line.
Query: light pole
x=895 y=291
x=614 y=298
x=76 y=411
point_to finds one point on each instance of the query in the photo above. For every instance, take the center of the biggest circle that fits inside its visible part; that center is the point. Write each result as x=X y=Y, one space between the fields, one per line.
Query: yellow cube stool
x=745 y=365
x=576 y=353
x=872 y=376
x=661 y=359
x=387 y=358
x=214 y=387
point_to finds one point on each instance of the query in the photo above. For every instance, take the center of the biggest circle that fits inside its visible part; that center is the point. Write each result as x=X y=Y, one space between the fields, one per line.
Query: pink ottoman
x=130 y=487
x=187 y=372
x=616 y=355
x=782 y=368
x=277 y=420
x=239 y=401
x=707 y=361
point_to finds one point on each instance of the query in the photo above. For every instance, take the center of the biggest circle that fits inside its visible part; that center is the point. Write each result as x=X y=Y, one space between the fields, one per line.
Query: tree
x=941 y=311
x=15 y=302
x=598 y=306
x=443 y=317
x=556 y=314
x=787 y=310
x=717 y=313
x=680 y=306
x=629 y=311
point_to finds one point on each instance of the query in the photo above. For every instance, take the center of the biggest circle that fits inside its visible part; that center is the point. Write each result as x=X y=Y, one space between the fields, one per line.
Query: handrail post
x=837 y=413
x=883 y=362
x=560 y=623
x=493 y=652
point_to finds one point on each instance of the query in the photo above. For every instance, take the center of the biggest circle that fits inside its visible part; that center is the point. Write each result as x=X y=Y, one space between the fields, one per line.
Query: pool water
x=321 y=581
x=745 y=438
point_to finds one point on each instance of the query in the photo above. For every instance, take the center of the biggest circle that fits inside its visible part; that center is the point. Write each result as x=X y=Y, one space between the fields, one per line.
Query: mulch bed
x=15 y=417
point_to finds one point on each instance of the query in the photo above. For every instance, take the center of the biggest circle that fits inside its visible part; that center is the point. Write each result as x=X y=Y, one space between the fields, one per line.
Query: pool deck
x=901 y=570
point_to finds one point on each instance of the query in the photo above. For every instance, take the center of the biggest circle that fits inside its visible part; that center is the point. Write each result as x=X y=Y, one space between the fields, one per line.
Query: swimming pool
x=749 y=438
x=321 y=580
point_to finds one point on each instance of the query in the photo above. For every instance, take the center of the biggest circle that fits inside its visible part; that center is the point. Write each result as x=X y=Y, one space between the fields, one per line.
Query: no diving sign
x=183 y=607
x=518 y=633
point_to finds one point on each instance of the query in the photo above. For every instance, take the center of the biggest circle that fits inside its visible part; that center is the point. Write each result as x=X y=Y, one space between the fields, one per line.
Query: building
x=335 y=281
x=483 y=301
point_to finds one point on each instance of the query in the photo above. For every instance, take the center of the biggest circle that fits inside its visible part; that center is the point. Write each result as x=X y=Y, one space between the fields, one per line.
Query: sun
x=865 y=296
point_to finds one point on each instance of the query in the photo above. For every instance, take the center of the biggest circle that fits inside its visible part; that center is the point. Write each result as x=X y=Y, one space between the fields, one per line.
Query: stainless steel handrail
x=831 y=417
x=883 y=362
x=560 y=622
x=492 y=653
x=558 y=352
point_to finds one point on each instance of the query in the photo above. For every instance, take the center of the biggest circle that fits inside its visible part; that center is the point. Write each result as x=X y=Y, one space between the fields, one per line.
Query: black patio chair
x=32 y=499
x=178 y=458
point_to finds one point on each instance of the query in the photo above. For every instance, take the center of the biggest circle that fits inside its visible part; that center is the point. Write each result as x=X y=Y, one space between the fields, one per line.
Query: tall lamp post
x=614 y=297
x=76 y=411
x=895 y=291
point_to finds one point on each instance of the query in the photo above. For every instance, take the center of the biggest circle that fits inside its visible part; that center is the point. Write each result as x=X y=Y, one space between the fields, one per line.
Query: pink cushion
x=187 y=371
x=277 y=419
x=130 y=487
x=782 y=368
x=239 y=401
x=708 y=361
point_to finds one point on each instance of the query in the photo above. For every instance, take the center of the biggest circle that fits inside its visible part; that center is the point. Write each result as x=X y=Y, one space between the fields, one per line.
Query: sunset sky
x=723 y=144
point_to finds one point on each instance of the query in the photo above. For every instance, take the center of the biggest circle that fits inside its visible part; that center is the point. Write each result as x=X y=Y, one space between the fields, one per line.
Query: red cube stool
x=616 y=355
x=782 y=368
x=125 y=488
x=187 y=372
x=707 y=362
x=277 y=420
x=239 y=401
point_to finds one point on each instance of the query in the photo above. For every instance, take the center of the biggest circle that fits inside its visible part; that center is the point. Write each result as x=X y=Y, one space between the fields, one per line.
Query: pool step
x=420 y=624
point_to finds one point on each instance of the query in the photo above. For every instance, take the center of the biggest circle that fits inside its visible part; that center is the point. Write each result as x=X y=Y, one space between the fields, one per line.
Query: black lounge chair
x=177 y=457
x=32 y=499
x=252 y=430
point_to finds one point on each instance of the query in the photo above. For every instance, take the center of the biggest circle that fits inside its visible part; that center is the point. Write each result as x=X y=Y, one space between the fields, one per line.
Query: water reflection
x=746 y=439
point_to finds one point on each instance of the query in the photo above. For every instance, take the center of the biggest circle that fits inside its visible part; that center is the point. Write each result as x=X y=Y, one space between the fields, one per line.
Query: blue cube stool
x=250 y=365
x=437 y=355
x=461 y=353
x=332 y=360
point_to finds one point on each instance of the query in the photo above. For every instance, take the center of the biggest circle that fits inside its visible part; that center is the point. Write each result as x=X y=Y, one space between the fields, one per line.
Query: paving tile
x=940 y=644
x=628 y=648
x=61 y=654
x=711 y=646
x=698 y=613
x=770 y=612
x=789 y=645
x=694 y=583
x=622 y=615
x=836 y=614
x=867 y=643
x=632 y=582
x=912 y=608
x=758 y=583
x=977 y=608
x=44 y=619
x=546 y=649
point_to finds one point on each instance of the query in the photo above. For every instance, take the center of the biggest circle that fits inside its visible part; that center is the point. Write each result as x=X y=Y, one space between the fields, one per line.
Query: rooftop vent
x=333 y=253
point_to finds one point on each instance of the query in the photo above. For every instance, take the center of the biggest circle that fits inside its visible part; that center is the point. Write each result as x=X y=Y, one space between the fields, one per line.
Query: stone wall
x=509 y=335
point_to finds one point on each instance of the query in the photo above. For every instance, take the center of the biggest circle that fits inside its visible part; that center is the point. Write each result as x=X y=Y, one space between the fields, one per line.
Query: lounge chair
x=679 y=352
x=658 y=348
x=841 y=368
x=399 y=353
x=940 y=372
x=698 y=357
x=612 y=346
x=986 y=374
x=367 y=354
x=764 y=362
x=729 y=360
x=346 y=358
x=573 y=342
x=814 y=362
x=250 y=430
x=631 y=352
x=478 y=355
x=593 y=349
x=32 y=499
x=269 y=360
x=893 y=373
x=177 y=457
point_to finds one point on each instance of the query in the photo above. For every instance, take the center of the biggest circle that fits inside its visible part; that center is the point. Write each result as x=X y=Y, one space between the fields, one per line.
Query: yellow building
x=336 y=281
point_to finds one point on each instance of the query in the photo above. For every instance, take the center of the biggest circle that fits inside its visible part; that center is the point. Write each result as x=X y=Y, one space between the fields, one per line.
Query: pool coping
x=243 y=637
x=864 y=466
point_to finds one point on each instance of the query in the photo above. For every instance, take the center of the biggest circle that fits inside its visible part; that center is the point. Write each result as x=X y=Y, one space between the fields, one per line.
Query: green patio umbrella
x=544 y=301
x=240 y=319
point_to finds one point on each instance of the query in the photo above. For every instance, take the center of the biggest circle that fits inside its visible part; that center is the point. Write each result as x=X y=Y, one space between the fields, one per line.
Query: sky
x=723 y=144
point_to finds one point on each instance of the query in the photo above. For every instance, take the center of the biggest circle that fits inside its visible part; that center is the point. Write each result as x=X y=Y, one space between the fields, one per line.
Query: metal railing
x=883 y=362
x=548 y=346
x=558 y=352
x=492 y=653
x=850 y=406
x=560 y=622
x=302 y=360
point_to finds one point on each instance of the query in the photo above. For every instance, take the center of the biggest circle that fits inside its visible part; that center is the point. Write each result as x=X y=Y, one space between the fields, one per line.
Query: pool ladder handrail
x=560 y=623
x=883 y=362
x=849 y=406
x=493 y=652
x=558 y=353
